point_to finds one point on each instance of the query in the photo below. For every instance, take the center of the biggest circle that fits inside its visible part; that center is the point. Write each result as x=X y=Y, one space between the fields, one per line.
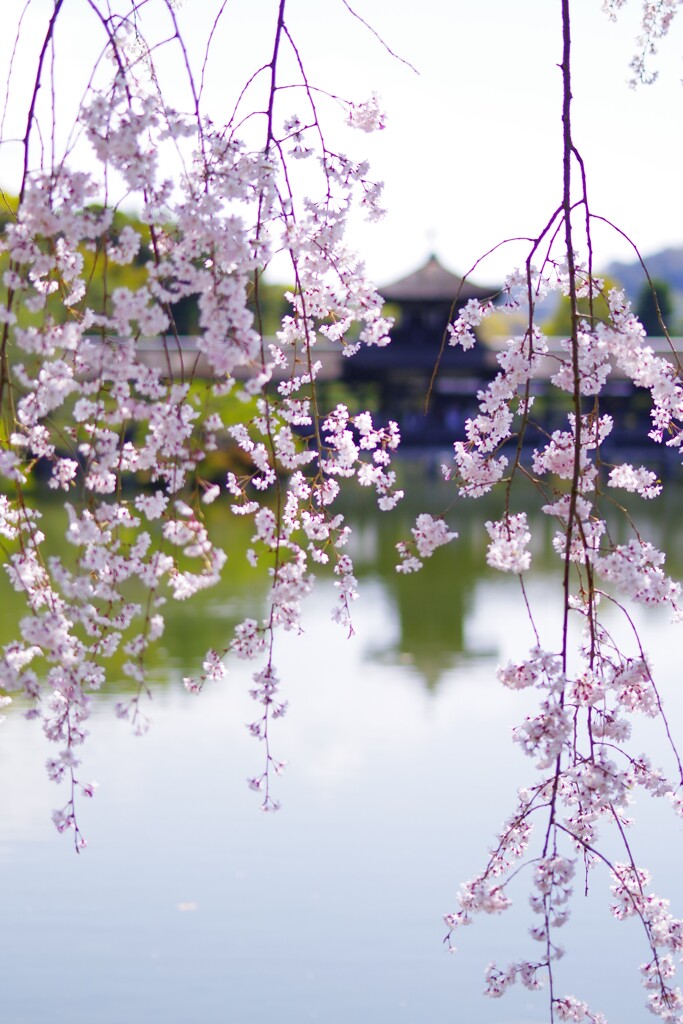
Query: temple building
x=423 y=304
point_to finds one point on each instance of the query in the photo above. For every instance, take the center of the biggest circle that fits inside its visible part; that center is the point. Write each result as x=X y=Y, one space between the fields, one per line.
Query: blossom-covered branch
x=130 y=441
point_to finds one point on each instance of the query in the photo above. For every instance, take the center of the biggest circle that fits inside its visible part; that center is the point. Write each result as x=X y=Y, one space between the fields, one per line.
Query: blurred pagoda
x=423 y=304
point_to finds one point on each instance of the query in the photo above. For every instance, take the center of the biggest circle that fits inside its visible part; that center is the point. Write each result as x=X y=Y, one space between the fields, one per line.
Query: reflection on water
x=430 y=607
x=190 y=906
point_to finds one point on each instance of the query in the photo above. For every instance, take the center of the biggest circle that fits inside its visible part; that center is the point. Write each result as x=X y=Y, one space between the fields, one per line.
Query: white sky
x=471 y=153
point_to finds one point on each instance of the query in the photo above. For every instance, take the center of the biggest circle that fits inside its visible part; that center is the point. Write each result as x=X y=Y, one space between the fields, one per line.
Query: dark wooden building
x=423 y=304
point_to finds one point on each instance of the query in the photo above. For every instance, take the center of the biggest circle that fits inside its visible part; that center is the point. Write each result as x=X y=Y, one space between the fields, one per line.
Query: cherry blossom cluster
x=588 y=688
x=656 y=19
x=429 y=533
x=131 y=441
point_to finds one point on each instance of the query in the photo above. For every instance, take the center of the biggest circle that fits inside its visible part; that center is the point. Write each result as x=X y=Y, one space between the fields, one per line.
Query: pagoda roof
x=433 y=283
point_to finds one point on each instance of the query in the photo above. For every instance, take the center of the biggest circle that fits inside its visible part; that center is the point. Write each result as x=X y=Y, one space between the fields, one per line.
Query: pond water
x=190 y=906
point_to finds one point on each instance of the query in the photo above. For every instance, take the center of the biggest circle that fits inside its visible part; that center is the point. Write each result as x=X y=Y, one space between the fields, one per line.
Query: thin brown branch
x=379 y=37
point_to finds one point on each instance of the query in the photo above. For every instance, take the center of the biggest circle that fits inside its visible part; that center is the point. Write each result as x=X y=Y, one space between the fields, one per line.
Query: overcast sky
x=471 y=152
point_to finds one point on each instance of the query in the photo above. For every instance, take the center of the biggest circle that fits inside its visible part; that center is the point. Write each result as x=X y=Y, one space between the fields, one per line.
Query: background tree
x=654 y=306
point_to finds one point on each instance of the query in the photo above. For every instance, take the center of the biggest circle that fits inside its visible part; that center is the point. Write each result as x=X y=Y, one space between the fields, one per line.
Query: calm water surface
x=191 y=907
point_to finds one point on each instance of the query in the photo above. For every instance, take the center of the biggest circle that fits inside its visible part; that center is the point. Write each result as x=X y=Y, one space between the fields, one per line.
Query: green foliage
x=270 y=308
x=655 y=306
x=8 y=208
